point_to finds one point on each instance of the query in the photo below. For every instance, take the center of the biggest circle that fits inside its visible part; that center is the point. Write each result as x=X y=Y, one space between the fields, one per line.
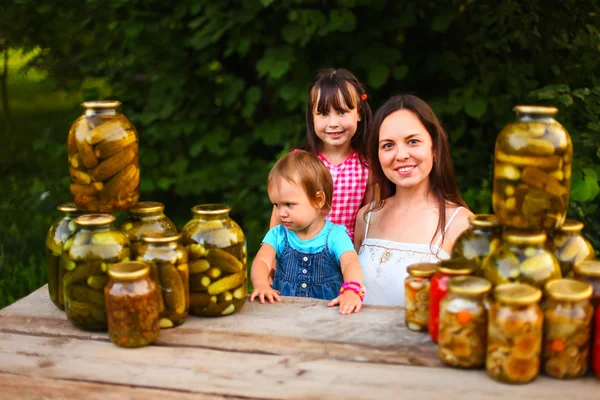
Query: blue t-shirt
x=338 y=242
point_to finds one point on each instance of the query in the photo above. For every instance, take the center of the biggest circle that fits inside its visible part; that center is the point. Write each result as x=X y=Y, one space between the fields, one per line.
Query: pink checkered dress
x=349 y=186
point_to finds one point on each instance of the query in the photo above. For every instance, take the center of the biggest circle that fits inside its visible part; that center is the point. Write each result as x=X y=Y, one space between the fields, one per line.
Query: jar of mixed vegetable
x=416 y=296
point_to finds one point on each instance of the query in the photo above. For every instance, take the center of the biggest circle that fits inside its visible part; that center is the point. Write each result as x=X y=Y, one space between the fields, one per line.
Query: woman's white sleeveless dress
x=383 y=264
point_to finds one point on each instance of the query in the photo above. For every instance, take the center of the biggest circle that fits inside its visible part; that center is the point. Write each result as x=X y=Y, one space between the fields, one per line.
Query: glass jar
x=532 y=170
x=439 y=287
x=168 y=262
x=589 y=271
x=416 y=296
x=515 y=323
x=146 y=216
x=569 y=246
x=463 y=323
x=521 y=258
x=567 y=328
x=57 y=236
x=95 y=245
x=131 y=305
x=596 y=344
x=480 y=239
x=217 y=261
x=103 y=159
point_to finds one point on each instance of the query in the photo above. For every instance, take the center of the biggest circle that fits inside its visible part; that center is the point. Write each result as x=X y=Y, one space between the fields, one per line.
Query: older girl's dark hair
x=441 y=177
x=325 y=92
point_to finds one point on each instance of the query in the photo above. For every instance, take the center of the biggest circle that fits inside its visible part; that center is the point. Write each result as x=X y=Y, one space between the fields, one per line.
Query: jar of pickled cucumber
x=95 y=245
x=168 y=261
x=217 y=261
x=596 y=344
x=569 y=246
x=131 y=305
x=567 y=328
x=103 y=159
x=57 y=236
x=146 y=216
x=463 y=323
x=480 y=239
x=438 y=288
x=532 y=170
x=522 y=257
x=515 y=323
x=589 y=271
x=416 y=296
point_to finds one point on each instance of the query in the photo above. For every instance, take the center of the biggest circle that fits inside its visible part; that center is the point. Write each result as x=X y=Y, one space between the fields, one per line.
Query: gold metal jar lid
x=523 y=237
x=128 y=271
x=161 y=237
x=101 y=104
x=67 y=207
x=568 y=290
x=570 y=225
x=517 y=294
x=484 y=220
x=94 y=219
x=587 y=268
x=457 y=266
x=147 y=207
x=543 y=110
x=211 y=209
x=469 y=285
x=421 y=270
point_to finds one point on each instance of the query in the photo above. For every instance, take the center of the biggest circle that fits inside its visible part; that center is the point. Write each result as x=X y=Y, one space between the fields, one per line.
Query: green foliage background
x=217 y=91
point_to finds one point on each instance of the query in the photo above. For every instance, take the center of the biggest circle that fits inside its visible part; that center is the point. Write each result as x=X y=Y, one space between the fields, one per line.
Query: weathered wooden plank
x=25 y=387
x=215 y=372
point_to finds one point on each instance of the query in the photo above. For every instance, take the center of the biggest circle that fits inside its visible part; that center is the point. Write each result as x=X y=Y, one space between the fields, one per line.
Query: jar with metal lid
x=463 y=323
x=522 y=257
x=146 y=216
x=439 y=287
x=589 y=271
x=481 y=238
x=217 y=261
x=60 y=230
x=515 y=323
x=596 y=344
x=567 y=328
x=131 y=305
x=532 y=170
x=168 y=261
x=103 y=159
x=95 y=245
x=416 y=296
x=569 y=246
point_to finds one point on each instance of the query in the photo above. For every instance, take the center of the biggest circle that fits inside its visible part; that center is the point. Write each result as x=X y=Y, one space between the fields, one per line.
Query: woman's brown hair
x=441 y=177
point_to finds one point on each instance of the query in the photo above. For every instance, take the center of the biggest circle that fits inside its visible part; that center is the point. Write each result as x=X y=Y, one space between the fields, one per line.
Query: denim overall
x=301 y=274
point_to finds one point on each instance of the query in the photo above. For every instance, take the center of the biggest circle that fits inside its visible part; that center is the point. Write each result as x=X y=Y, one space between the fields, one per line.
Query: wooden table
x=297 y=349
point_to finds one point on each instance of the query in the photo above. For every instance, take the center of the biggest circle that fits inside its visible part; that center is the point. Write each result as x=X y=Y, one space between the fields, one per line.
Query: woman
x=420 y=212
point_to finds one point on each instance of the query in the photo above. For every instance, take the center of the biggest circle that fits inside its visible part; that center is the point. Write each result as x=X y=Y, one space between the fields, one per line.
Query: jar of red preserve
x=439 y=287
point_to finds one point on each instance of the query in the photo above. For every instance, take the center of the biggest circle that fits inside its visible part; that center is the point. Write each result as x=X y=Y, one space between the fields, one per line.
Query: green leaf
x=378 y=75
x=585 y=189
x=590 y=172
x=291 y=33
x=400 y=72
x=566 y=99
x=441 y=22
x=276 y=62
x=475 y=108
x=266 y=3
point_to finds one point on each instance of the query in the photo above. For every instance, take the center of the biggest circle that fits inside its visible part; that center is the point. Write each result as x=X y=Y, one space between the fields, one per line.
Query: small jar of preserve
x=589 y=271
x=146 y=216
x=569 y=246
x=416 y=296
x=480 y=239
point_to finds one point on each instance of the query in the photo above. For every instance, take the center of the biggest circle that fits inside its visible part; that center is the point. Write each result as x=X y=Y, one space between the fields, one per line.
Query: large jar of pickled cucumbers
x=57 y=236
x=589 y=271
x=463 y=323
x=569 y=246
x=168 y=262
x=515 y=323
x=217 y=261
x=522 y=257
x=103 y=159
x=131 y=305
x=95 y=245
x=146 y=216
x=532 y=170
x=567 y=328
x=482 y=237
x=416 y=296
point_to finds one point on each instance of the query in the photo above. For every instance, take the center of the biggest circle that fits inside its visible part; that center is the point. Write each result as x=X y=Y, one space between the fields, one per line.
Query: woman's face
x=405 y=150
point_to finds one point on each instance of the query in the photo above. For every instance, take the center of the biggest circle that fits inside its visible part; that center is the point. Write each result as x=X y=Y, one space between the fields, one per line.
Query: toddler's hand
x=349 y=302
x=265 y=292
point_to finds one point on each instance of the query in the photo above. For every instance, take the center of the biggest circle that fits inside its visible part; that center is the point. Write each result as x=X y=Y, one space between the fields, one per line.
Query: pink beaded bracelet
x=355 y=287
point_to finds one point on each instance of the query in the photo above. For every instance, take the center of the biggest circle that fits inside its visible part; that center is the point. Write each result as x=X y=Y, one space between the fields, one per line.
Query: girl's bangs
x=328 y=93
